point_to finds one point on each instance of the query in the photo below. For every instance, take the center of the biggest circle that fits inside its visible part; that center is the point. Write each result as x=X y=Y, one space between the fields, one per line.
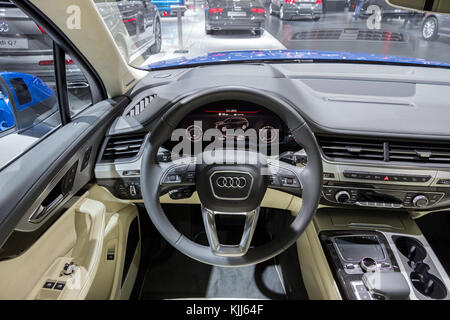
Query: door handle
x=42 y=212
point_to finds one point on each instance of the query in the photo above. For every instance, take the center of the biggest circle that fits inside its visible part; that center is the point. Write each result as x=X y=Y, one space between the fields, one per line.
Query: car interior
x=347 y=197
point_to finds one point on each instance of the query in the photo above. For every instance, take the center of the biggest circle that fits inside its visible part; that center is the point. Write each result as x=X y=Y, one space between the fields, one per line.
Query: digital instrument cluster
x=237 y=117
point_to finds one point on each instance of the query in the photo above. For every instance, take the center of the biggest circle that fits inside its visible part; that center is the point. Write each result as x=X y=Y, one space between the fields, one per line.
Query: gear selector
x=390 y=285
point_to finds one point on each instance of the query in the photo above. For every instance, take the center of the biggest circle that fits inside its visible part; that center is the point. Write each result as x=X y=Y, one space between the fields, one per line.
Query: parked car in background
x=25 y=47
x=165 y=6
x=134 y=24
x=26 y=104
x=351 y=4
x=235 y=15
x=387 y=11
x=6 y=113
x=434 y=25
x=296 y=9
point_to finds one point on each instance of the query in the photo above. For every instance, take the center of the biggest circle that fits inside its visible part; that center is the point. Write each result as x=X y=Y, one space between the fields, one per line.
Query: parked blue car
x=6 y=115
x=25 y=101
x=164 y=6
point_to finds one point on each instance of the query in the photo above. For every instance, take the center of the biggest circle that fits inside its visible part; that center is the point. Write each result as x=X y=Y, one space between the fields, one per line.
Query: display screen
x=233 y=116
x=356 y=248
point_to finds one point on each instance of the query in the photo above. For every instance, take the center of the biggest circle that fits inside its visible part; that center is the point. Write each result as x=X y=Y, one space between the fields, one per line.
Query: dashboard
x=385 y=144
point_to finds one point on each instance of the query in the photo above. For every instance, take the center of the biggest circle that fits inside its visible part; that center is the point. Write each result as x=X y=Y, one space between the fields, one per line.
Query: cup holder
x=411 y=249
x=426 y=283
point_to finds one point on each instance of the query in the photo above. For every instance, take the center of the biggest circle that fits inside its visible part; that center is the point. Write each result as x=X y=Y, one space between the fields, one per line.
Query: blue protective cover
x=301 y=55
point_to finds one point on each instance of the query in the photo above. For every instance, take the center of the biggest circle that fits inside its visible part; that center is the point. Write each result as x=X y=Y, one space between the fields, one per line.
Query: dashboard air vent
x=140 y=106
x=123 y=148
x=419 y=152
x=385 y=150
x=352 y=149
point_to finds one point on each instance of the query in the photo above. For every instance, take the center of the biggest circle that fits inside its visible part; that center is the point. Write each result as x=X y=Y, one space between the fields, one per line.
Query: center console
x=372 y=261
x=352 y=254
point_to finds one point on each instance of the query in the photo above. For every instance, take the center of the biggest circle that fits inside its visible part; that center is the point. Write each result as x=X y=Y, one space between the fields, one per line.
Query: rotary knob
x=342 y=196
x=368 y=265
x=420 y=201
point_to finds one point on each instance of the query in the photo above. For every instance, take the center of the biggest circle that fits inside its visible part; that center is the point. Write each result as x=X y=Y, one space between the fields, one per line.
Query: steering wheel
x=231 y=189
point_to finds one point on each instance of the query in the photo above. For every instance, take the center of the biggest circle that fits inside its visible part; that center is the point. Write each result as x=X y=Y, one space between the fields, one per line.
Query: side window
x=79 y=92
x=29 y=104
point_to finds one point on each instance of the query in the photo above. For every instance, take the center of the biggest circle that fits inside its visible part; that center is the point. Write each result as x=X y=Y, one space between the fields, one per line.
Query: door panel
x=48 y=218
x=48 y=178
x=28 y=181
x=77 y=237
x=92 y=239
x=19 y=276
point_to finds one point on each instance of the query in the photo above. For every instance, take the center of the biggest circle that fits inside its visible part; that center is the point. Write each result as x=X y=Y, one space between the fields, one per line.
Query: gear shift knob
x=391 y=285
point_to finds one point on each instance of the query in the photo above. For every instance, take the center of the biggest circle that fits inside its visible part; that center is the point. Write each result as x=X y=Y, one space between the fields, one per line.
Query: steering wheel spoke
x=222 y=250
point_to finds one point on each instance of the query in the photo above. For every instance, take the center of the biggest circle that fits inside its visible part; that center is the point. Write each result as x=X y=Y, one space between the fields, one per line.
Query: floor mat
x=178 y=276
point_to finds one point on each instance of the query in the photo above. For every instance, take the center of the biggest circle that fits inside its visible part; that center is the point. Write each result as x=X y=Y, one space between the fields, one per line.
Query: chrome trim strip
x=219 y=249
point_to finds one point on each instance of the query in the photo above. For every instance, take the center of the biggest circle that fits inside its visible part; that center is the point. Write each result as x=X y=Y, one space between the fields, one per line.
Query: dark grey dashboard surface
x=382 y=129
x=372 y=100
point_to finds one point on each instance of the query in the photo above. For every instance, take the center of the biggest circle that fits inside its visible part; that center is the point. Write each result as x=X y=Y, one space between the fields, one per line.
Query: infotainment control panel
x=388 y=187
x=382 y=198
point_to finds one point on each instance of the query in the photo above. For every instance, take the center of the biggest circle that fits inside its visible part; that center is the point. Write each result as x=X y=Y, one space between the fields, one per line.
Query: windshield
x=170 y=33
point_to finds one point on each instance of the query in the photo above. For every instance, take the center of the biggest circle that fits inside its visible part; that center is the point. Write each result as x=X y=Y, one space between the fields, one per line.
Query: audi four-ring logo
x=4 y=27
x=231 y=182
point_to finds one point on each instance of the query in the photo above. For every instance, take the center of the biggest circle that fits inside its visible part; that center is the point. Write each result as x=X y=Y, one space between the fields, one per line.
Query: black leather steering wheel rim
x=150 y=170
